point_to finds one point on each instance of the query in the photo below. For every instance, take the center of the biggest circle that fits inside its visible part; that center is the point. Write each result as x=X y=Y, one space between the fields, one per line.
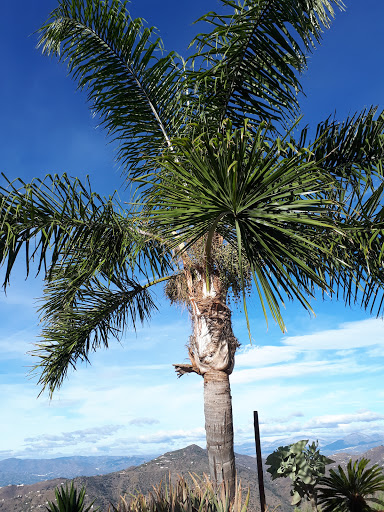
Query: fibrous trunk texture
x=212 y=345
x=219 y=428
x=212 y=349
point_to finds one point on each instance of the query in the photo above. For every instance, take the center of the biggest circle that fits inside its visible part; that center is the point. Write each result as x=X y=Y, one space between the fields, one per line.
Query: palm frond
x=365 y=212
x=79 y=319
x=60 y=221
x=251 y=60
x=351 y=489
x=98 y=265
x=270 y=204
x=132 y=88
x=354 y=144
x=352 y=152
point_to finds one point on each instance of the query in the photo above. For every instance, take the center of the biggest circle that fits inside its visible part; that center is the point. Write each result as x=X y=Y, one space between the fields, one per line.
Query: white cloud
x=17 y=344
x=335 y=420
x=263 y=356
x=171 y=436
x=90 y=435
x=288 y=385
x=365 y=333
x=302 y=369
x=143 y=421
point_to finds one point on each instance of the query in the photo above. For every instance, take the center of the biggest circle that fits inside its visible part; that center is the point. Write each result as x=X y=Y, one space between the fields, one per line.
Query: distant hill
x=108 y=488
x=354 y=443
x=28 y=471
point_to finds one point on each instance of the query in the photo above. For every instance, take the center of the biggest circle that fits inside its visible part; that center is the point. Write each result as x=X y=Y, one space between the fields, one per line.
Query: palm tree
x=229 y=191
x=351 y=490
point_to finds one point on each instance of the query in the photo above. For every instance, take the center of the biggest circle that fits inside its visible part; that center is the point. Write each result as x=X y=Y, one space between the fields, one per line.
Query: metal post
x=259 y=461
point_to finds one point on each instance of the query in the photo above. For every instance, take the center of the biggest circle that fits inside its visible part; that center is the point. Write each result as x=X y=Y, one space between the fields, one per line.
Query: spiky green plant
x=69 y=500
x=180 y=496
x=351 y=490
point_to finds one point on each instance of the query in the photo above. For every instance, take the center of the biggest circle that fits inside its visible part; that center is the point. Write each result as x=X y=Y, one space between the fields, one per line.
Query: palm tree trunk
x=212 y=349
x=219 y=428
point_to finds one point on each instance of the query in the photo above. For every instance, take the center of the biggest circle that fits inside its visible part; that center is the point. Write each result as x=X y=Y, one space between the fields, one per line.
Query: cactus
x=304 y=465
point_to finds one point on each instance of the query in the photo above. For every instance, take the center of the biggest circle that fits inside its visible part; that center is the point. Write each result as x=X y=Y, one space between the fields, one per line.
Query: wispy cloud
x=17 y=344
x=330 y=352
x=264 y=356
x=335 y=420
x=54 y=442
x=303 y=369
x=174 y=436
x=365 y=333
x=143 y=421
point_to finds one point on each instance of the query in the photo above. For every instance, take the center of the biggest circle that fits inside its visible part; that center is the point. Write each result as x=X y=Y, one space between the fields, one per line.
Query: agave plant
x=180 y=496
x=69 y=500
x=351 y=490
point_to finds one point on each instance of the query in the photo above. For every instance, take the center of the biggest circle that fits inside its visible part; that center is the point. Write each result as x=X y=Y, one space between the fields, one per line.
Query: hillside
x=29 y=471
x=18 y=471
x=107 y=488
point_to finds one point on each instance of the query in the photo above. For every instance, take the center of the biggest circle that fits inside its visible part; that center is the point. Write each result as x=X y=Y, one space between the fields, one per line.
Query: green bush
x=304 y=465
x=69 y=500
x=201 y=496
x=350 y=490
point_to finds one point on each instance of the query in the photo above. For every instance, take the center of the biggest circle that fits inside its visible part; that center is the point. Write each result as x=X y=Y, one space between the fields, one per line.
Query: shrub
x=181 y=497
x=304 y=465
x=69 y=500
x=350 y=491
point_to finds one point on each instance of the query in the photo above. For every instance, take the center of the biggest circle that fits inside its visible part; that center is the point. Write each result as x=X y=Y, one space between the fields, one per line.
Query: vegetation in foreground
x=70 y=500
x=351 y=490
x=179 y=496
x=359 y=488
x=341 y=491
x=304 y=465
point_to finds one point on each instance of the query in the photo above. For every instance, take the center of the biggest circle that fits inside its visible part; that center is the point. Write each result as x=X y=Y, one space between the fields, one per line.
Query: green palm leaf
x=356 y=143
x=271 y=205
x=59 y=221
x=350 y=490
x=133 y=89
x=98 y=265
x=253 y=58
x=79 y=319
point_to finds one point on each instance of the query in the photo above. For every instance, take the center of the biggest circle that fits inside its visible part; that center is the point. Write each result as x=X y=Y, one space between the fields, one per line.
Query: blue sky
x=321 y=380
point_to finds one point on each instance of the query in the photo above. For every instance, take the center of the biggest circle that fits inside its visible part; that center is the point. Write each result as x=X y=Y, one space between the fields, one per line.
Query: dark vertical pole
x=259 y=461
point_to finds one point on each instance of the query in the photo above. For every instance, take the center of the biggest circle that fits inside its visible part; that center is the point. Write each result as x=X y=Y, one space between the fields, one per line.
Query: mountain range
x=17 y=471
x=28 y=471
x=353 y=444
x=106 y=489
